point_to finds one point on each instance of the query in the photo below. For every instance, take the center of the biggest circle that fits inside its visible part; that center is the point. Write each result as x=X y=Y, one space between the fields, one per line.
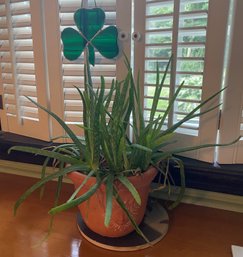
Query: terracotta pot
x=93 y=210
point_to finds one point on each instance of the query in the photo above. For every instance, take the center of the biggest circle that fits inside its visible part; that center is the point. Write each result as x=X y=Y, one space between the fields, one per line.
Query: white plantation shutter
x=232 y=113
x=71 y=73
x=185 y=29
x=21 y=69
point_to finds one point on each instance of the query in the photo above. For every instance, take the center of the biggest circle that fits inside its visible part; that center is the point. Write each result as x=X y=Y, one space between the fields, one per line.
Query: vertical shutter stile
x=213 y=72
x=5 y=64
x=232 y=112
x=54 y=63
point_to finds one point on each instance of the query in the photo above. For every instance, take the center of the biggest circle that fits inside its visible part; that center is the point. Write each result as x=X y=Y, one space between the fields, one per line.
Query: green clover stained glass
x=90 y=35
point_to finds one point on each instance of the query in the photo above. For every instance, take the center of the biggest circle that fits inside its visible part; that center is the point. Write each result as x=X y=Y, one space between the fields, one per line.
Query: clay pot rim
x=138 y=180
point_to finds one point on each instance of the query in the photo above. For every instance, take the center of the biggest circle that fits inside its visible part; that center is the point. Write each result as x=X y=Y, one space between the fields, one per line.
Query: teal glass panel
x=73 y=43
x=89 y=21
x=90 y=35
x=106 y=42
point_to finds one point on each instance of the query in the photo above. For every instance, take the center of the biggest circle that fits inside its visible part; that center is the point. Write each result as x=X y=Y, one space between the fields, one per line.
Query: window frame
x=49 y=68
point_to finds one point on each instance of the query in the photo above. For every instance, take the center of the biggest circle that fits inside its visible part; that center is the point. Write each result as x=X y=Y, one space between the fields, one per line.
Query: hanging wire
x=82 y=3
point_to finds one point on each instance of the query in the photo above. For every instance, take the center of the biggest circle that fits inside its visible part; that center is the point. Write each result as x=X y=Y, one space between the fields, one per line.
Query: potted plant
x=112 y=172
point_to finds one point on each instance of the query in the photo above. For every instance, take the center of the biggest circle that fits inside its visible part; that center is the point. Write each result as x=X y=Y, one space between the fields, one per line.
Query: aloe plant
x=106 y=151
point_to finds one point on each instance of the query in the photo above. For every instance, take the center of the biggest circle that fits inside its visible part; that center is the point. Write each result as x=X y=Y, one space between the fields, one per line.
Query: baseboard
x=192 y=196
x=25 y=169
x=205 y=198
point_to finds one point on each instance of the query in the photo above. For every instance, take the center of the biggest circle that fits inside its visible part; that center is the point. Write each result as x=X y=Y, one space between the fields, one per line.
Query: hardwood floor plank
x=194 y=231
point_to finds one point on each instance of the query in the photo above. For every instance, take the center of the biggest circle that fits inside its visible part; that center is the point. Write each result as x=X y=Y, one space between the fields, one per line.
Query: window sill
x=7 y=140
x=199 y=175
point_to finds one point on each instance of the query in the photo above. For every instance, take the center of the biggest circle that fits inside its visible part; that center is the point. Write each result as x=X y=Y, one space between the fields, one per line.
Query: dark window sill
x=7 y=140
x=199 y=175
x=226 y=178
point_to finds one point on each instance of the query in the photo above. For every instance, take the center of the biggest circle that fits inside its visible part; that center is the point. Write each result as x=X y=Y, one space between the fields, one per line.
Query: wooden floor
x=194 y=231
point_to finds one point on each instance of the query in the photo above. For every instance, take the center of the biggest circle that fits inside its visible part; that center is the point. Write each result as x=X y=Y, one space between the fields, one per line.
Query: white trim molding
x=204 y=198
x=25 y=169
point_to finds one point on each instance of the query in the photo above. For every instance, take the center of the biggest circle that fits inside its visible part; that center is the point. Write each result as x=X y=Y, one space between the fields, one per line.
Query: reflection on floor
x=194 y=231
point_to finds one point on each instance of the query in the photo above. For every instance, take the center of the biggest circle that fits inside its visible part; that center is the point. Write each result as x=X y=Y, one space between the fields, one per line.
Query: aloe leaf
x=108 y=97
x=67 y=151
x=106 y=144
x=125 y=160
x=86 y=116
x=116 y=105
x=192 y=113
x=96 y=132
x=125 y=181
x=189 y=117
x=43 y=174
x=63 y=124
x=85 y=101
x=159 y=147
x=123 y=206
x=193 y=148
x=57 y=196
x=141 y=147
x=170 y=105
x=158 y=89
x=180 y=164
x=164 y=155
x=138 y=120
x=160 y=156
x=91 y=173
x=151 y=126
x=139 y=105
x=46 y=153
x=122 y=152
x=125 y=86
x=77 y=200
x=83 y=127
x=59 y=186
x=159 y=140
x=69 y=148
x=109 y=197
x=130 y=107
x=162 y=172
x=40 y=183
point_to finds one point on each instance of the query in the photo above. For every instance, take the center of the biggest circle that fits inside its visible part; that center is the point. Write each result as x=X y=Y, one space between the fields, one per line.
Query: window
x=194 y=31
